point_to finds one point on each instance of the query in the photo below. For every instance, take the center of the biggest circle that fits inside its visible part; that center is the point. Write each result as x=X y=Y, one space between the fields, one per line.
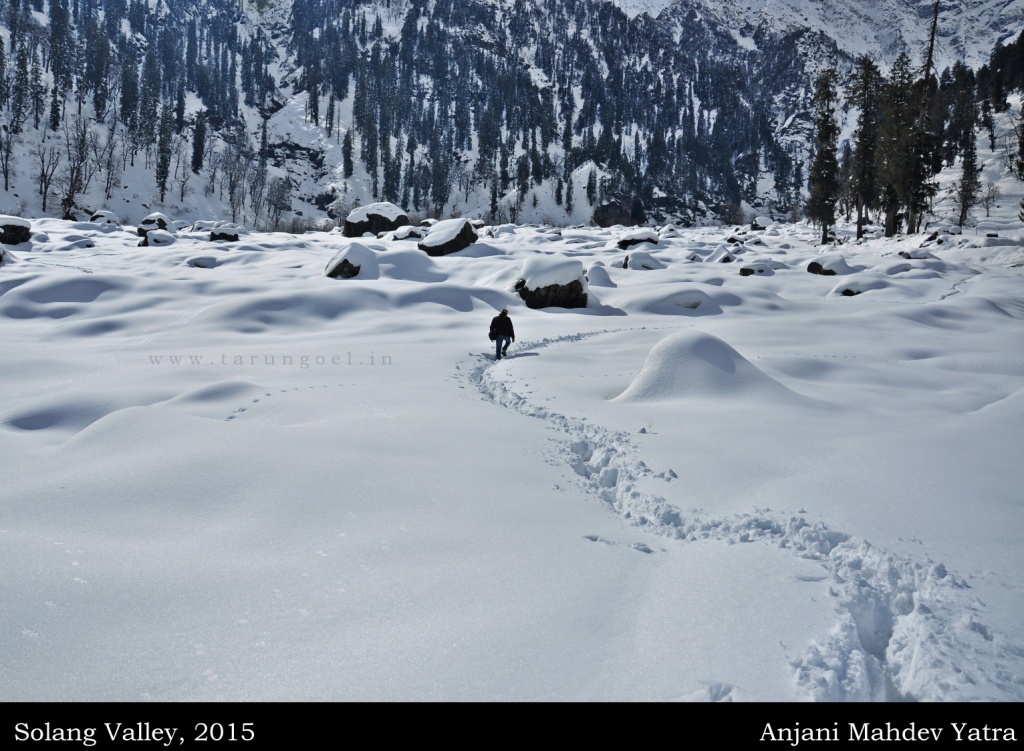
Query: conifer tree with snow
x=163 y=158
x=865 y=94
x=199 y=142
x=895 y=142
x=824 y=174
x=1020 y=146
x=967 y=187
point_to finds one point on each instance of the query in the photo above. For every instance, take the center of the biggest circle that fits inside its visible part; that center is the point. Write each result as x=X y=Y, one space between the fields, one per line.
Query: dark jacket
x=501 y=325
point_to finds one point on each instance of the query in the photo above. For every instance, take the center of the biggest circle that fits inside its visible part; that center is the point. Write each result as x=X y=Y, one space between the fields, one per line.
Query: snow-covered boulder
x=763 y=267
x=761 y=223
x=353 y=260
x=858 y=285
x=203 y=225
x=831 y=264
x=408 y=232
x=375 y=218
x=637 y=236
x=154 y=221
x=552 y=282
x=156 y=238
x=597 y=276
x=448 y=236
x=722 y=254
x=988 y=241
x=226 y=232
x=918 y=253
x=14 y=230
x=639 y=260
x=105 y=218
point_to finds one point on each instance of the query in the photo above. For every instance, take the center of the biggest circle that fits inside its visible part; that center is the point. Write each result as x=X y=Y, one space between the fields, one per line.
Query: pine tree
x=179 y=106
x=865 y=94
x=5 y=86
x=61 y=46
x=20 y=90
x=330 y=115
x=149 y=99
x=967 y=187
x=895 y=142
x=1020 y=147
x=347 y=165
x=129 y=103
x=163 y=158
x=199 y=142
x=824 y=175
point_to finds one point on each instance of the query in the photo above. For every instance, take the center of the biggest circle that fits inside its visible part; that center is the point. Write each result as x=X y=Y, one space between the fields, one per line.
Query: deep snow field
x=228 y=477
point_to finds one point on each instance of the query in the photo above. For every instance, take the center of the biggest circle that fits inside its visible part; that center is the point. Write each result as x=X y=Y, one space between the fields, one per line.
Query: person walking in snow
x=502 y=333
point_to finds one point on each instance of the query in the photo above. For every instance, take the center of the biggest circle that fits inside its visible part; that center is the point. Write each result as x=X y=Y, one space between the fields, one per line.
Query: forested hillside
x=278 y=114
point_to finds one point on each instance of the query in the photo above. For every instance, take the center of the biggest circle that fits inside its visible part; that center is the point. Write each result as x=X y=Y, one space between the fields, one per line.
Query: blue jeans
x=499 y=343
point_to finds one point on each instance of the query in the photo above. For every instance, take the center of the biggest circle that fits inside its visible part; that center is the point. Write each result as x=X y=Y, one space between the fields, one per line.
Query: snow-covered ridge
x=882 y=28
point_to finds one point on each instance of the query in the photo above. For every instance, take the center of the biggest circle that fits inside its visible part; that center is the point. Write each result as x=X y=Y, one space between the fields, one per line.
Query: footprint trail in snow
x=905 y=630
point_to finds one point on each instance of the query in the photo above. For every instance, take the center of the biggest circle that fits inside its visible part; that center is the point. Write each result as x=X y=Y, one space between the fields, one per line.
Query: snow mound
x=694 y=364
x=597 y=276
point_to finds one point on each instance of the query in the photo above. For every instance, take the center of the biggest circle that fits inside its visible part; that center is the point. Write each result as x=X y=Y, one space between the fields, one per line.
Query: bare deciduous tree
x=8 y=140
x=47 y=160
x=182 y=168
x=989 y=196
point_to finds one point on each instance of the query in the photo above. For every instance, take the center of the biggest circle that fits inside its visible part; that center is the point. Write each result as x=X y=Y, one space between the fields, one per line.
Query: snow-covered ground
x=229 y=477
